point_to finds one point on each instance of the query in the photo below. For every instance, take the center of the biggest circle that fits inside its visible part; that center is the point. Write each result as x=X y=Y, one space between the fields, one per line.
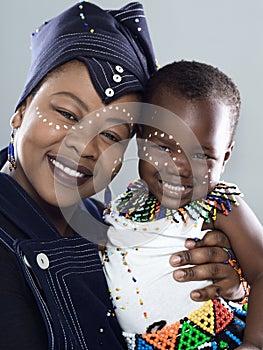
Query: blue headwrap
x=114 y=44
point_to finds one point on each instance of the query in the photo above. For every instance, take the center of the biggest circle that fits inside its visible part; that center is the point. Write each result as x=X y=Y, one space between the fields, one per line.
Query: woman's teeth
x=67 y=170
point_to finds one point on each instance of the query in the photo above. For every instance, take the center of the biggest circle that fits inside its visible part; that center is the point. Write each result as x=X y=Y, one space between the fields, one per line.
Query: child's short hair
x=195 y=80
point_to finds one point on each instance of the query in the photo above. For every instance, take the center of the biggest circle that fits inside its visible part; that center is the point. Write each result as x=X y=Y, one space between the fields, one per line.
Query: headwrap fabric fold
x=115 y=45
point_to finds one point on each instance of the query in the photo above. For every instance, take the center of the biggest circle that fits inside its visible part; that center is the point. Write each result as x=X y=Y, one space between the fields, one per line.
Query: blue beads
x=239 y=323
x=142 y=345
x=233 y=337
x=240 y=312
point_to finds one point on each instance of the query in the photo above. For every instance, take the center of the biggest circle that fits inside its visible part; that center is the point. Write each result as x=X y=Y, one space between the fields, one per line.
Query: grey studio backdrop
x=225 y=33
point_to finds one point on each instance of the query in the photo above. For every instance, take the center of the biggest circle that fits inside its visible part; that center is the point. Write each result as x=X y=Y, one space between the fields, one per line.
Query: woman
x=86 y=63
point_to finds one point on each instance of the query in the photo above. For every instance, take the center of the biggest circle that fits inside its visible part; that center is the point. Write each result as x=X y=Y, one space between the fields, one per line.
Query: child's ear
x=228 y=155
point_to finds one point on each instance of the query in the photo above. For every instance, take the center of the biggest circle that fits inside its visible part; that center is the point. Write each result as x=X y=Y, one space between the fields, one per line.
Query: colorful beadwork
x=212 y=326
x=11 y=153
x=137 y=204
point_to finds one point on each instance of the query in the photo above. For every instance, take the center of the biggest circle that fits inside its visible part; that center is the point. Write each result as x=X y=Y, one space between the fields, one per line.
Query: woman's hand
x=208 y=257
x=247 y=346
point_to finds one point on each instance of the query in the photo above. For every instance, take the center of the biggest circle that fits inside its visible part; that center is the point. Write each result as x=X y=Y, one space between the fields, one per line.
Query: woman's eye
x=68 y=115
x=110 y=136
x=164 y=149
x=200 y=156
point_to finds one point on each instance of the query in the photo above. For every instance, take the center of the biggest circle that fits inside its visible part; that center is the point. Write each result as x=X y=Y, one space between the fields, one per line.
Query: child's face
x=69 y=144
x=184 y=158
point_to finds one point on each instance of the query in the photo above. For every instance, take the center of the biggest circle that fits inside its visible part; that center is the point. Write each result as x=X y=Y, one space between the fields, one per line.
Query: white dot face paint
x=65 y=126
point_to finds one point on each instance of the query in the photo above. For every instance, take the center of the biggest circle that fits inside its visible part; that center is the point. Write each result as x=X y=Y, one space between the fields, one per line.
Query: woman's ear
x=16 y=119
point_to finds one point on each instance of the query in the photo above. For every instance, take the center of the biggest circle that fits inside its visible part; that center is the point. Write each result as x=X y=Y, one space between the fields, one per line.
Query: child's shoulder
x=219 y=201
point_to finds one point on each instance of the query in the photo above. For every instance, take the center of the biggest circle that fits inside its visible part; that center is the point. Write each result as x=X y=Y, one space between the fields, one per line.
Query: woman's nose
x=85 y=144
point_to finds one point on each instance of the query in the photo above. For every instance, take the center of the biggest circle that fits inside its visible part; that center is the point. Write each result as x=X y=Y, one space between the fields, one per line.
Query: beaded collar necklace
x=137 y=204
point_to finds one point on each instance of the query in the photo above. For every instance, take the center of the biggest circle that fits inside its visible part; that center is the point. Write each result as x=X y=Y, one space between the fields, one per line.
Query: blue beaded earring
x=107 y=197
x=11 y=153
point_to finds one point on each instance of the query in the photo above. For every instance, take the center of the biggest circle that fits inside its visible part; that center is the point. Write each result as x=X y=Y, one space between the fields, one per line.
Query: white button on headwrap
x=117 y=78
x=119 y=69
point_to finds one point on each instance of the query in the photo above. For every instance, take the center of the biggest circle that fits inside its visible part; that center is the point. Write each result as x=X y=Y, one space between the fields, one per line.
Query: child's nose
x=180 y=165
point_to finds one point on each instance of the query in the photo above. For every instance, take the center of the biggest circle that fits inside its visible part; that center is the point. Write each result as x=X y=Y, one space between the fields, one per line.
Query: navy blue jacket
x=53 y=292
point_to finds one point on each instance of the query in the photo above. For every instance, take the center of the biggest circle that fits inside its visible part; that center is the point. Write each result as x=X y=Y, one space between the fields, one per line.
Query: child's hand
x=208 y=256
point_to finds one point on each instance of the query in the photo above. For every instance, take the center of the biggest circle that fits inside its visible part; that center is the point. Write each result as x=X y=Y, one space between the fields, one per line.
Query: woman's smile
x=68 y=172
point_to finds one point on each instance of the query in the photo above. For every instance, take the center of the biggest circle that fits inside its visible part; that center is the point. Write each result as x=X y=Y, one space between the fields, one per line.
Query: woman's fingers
x=208 y=255
x=209 y=249
x=216 y=290
x=214 y=238
x=198 y=256
x=203 y=272
x=226 y=281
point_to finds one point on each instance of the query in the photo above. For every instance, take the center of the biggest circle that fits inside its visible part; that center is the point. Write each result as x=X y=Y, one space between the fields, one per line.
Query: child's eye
x=200 y=156
x=110 y=136
x=68 y=115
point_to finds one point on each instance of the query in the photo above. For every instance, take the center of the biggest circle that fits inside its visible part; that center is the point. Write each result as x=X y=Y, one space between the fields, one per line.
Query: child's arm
x=246 y=236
